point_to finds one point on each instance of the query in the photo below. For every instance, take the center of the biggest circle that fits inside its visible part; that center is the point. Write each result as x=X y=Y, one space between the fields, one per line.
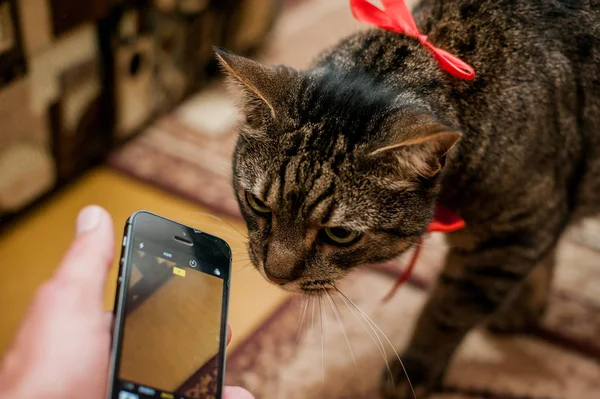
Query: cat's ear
x=423 y=154
x=263 y=90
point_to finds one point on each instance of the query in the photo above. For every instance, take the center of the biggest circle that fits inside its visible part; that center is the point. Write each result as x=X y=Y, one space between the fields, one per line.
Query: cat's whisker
x=302 y=314
x=325 y=313
x=230 y=234
x=219 y=229
x=245 y=268
x=342 y=326
x=372 y=334
x=322 y=339
x=222 y=221
x=313 y=316
x=367 y=318
x=230 y=238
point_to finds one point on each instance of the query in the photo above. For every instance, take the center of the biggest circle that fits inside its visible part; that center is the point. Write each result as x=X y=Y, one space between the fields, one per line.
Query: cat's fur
x=367 y=140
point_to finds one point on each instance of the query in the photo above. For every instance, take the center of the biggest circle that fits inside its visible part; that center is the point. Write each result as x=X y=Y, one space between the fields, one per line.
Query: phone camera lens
x=193 y=263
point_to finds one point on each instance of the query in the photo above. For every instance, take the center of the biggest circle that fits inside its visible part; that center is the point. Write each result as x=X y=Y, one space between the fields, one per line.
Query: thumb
x=86 y=264
x=236 y=393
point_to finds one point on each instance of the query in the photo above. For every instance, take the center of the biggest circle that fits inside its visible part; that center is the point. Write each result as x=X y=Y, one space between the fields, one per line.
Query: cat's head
x=331 y=170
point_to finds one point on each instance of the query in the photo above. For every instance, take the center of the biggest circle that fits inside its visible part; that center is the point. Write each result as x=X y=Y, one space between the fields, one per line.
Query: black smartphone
x=170 y=311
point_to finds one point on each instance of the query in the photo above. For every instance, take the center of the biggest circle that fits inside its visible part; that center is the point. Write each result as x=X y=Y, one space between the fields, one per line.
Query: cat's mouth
x=311 y=287
x=317 y=287
x=303 y=285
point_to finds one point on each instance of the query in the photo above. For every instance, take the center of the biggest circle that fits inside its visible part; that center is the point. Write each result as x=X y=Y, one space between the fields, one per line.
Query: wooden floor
x=31 y=249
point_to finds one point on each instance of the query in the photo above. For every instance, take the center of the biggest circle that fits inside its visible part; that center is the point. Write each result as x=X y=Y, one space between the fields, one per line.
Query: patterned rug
x=559 y=361
x=189 y=152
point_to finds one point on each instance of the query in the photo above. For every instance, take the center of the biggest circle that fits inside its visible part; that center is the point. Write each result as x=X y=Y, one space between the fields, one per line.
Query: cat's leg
x=526 y=307
x=481 y=273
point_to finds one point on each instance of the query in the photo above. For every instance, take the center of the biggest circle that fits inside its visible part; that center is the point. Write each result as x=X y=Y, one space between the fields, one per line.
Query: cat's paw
x=395 y=384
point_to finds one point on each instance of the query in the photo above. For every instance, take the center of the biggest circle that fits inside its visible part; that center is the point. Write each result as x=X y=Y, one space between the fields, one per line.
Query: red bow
x=396 y=17
x=444 y=221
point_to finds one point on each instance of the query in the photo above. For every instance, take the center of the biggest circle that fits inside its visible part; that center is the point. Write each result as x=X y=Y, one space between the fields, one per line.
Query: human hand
x=62 y=348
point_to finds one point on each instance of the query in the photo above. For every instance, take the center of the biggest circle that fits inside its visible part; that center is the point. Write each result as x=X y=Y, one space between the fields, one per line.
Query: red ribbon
x=444 y=221
x=396 y=17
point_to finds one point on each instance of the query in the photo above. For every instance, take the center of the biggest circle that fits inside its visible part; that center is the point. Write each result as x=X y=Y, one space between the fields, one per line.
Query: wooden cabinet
x=78 y=78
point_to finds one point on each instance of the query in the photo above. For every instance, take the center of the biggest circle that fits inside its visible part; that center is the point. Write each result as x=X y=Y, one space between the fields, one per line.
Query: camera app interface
x=172 y=326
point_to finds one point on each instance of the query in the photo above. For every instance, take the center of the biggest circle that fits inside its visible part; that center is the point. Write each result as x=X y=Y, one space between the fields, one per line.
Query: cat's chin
x=301 y=287
x=317 y=292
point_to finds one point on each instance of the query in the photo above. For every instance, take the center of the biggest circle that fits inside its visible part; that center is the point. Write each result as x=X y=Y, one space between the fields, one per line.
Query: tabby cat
x=342 y=164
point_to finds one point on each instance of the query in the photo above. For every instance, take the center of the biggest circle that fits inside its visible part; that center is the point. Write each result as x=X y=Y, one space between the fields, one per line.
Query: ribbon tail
x=368 y=13
x=453 y=65
x=445 y=221
x=406 y=273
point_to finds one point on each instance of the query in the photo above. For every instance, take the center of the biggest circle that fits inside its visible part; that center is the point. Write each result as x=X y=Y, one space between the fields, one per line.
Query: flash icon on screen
x=179 y=272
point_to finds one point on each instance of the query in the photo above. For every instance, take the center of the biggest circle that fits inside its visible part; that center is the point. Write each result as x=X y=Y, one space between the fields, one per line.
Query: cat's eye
x=257 y=205
x=339 y=236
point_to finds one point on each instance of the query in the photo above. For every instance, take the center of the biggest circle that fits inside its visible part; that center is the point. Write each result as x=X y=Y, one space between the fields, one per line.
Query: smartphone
x=170 y=313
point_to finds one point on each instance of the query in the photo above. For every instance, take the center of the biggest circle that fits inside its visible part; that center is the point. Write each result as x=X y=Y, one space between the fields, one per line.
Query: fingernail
x=88 y=219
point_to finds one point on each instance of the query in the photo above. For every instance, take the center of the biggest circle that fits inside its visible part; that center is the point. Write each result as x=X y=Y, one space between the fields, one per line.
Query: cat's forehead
x=309 y=175
x=298 y=151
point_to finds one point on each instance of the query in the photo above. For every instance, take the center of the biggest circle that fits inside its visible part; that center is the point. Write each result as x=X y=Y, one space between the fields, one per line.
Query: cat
x=342 y=164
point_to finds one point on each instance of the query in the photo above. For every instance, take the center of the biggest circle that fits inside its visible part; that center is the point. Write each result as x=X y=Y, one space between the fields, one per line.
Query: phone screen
x=172 y=324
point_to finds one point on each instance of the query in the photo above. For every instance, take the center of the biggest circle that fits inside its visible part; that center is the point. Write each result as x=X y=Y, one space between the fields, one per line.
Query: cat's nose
x=276 y=280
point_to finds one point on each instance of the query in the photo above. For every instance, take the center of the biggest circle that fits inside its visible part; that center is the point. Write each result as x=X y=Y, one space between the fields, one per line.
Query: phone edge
x=119 y=302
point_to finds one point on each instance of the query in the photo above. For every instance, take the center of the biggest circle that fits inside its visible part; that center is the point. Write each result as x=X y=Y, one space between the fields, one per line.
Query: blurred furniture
x=78 y=78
